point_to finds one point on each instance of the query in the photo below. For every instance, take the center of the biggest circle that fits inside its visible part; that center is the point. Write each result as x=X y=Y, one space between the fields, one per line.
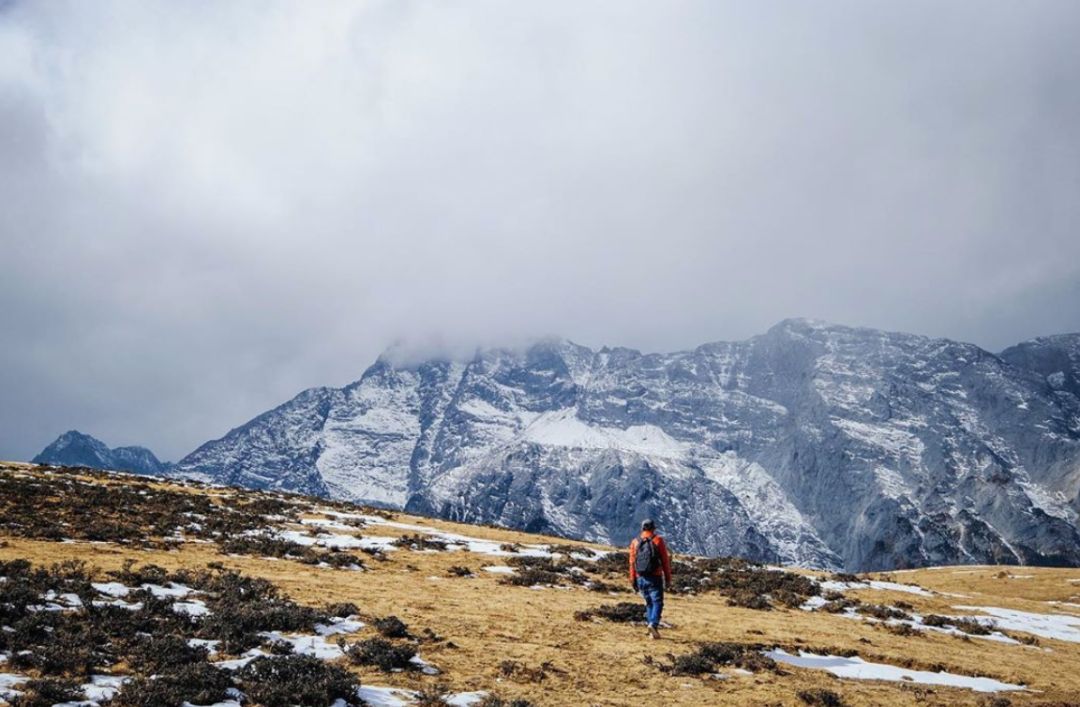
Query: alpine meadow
x=407 y=353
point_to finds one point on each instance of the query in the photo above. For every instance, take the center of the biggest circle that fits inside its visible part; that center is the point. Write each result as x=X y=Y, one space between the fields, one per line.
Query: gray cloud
x=206 y=207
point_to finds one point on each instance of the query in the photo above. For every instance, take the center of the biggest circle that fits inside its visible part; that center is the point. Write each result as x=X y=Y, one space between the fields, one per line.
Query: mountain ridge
x=812 y=443
x=75 y=448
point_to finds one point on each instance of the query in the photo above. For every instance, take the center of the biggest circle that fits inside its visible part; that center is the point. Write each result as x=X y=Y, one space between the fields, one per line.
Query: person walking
x=650 y=572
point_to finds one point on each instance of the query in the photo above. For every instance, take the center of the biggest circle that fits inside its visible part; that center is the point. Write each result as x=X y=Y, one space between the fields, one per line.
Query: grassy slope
x=600 y=663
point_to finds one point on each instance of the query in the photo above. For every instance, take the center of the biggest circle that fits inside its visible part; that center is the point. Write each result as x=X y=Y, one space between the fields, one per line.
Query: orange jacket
x=665 y=558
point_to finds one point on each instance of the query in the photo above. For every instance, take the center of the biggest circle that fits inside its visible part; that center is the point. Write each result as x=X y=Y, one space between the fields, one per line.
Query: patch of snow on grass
x=316 y=646
x=194 y=607
x=102 y=687
x=1063 y=627
x=210 y=645
x=237 y=663
x=110 y=588
x=133 y=606
x=382 y=696
x=339 y=626
x=859 y=669
x=8 y=681
x=173 y=590
x=834 y=586
x=326 y=523
x=499 y=569
x=425 y=667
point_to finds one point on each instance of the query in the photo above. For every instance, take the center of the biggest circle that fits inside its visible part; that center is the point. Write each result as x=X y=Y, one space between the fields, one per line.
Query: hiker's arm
x=665 y=557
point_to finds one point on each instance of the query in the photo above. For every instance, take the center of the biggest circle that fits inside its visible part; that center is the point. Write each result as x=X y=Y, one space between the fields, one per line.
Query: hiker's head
x=648 y=524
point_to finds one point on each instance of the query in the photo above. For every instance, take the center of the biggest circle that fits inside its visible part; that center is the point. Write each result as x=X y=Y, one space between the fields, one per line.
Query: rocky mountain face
x=74 y=448
x=813 y=444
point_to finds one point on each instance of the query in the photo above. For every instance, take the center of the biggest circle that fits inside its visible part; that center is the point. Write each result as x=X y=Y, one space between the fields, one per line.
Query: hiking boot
x=654 y=633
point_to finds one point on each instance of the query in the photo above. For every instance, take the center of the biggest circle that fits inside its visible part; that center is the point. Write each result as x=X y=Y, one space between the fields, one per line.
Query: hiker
x=650 y=572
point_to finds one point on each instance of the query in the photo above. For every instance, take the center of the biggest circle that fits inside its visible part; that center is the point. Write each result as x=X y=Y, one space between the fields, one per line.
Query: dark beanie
x=648 y=524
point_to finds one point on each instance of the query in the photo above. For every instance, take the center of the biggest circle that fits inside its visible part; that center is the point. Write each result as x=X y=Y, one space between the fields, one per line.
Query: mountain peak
x=74 y=448
x=817 y=444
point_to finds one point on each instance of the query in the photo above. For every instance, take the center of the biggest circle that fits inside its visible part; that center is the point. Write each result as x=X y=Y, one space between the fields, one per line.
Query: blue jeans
x=652 y=589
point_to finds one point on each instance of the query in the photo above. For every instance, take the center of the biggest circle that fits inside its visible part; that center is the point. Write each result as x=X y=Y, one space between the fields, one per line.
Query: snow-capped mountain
x=815 y=444
x=74 y=448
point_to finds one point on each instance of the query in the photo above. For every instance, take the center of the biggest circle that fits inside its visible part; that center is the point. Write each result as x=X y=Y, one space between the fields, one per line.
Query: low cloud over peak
x=205 y=208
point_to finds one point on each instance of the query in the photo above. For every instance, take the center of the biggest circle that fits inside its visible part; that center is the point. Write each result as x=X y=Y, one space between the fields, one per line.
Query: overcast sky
x=206 y=207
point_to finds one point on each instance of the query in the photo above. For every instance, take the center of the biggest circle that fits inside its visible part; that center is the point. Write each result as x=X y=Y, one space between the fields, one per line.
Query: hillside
x=196 y=584
x=818 y=444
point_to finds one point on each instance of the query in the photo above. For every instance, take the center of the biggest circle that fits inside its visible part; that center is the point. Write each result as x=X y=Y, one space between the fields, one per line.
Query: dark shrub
x=417 y=541
x=265 y=546
x=971 y=626
x=341 y=609
x=493 y=701
x=531 y=577
x=197 y=683
x=296 y=680
x=883 y=613
x=747 y=656
x=906 y=630
x=280 y=647
x=838 y=606
x=339 y=559
x=68 y=653
x=162 y=654
x=391 y=627
x=623 y=612
x=691 y=664
x=748 y=599
x=787 y=598
x=710 y=656
x=133 y=576
x=47 y=692
x=154 y=654
x=459 y=571
x=612 y=563
x=382 y=654
x=820 y=698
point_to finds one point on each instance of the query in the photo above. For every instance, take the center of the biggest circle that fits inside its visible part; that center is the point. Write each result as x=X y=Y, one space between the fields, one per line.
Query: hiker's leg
x=643 y=587
x=658 y=603
x=654 y=603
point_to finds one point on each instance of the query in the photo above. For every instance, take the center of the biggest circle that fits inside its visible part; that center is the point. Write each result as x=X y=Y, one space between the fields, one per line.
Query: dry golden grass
x=599 y=663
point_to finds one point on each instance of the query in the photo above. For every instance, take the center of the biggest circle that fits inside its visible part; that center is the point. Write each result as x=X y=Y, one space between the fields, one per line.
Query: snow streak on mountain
x=814 y=444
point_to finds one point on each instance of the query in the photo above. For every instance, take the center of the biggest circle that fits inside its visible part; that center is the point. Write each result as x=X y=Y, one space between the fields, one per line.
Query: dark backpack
x=646 y=557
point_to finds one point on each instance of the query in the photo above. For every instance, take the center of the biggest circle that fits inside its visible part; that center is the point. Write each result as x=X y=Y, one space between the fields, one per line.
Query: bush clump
x=391 y=627
x=820 y=698
x=711 y=656
x=163 y=653
x=623 y=612
x=965 y=625
x=417 y=541
x=884 y=613
x=531 y=577
x=494 y=701
x=47 y=692
x=280 y=681
x=382 y=654
x=341 y=609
